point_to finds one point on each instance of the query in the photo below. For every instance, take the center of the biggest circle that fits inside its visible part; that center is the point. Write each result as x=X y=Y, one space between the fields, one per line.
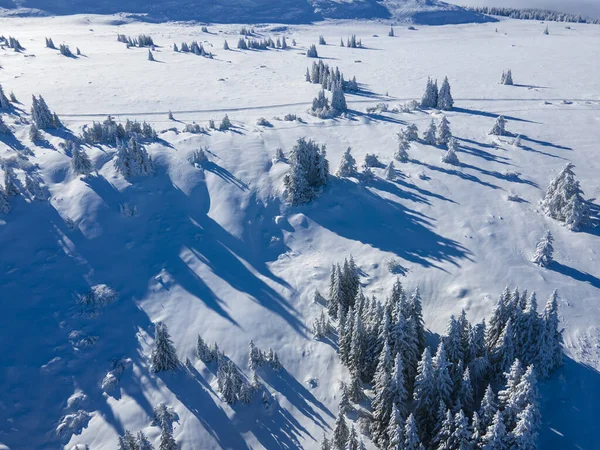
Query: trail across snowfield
x=218 y=252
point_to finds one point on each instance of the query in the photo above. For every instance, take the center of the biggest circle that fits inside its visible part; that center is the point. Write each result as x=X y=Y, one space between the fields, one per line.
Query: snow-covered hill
x=432 y=12
x=217 y=251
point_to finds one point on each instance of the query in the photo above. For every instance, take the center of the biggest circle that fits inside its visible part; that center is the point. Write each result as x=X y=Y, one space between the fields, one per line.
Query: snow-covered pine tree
x=499 y=128
x=391 y=32
x=411 y=436
x=500 y=316
x=424 y=395
x=390 y=172
x=465 y=393
x=550 y=354
x=340 y=432
x=444 y=431
x=429 y=137
x=167 y=441
x=445 y=101
x=495 y=437
x=283 y=43
x=395 y=431
x=225 y=124
x=546 y=31
x=322 y=40
x=80 y=161
x=401 y=153
x=164 y=355
x=544 y=250
x=4 y=102
x=443 y=381
x=461 y=436
x=347 y=167
x=4 y=129
x=312 y=51
x=382 y=401
x=430 y=97
x=443 y=132
x=42 y=116
x=325 y=445
x=10 y=182
x=309 y=172
x=503 y=353
x=338 y=99
x=150 y=55
x=513 y=378
x=564 y=200
x=488 y=408
x=142 y=442
x=507 y=78
x=450 y=157
x=398 y=389
x=524 y=436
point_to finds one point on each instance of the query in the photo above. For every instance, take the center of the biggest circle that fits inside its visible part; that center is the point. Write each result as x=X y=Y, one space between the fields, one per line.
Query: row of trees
x=194 y=47
x=437 y=98
x=143 y=40
x=12 y=42
x=109 y=132
x=321 y=73
x=533 y=14
x=381 y=343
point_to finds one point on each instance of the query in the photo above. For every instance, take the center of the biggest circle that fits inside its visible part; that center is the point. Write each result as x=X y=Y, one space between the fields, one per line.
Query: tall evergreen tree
x=424 y=395
x=445 y=101
x=340 y=432
x=411 y=436
x=164 y=355
x=524 y=436
x=488 y=409
x=443 y=132
x=429 y=136
x=495 y=437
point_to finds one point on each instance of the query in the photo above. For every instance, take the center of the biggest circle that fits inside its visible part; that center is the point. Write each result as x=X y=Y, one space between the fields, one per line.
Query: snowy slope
x=218 y=252
x=255 y=11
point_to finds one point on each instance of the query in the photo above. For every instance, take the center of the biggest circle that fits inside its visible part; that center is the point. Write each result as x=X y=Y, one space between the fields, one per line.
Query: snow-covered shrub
x=371 y=160
x=409 y=107
x=225 y=124
x=450 y=157
x=347 y=167
x=128 y=210
x=111 y=380
x=499 y=128
x=309 y=172
x=133 y=160
x=73 y=423
x=395 y=267
x=390 y=172
x=279 y=155
x=320 y=107
x=193 y=128
x=564 y=200
x=366 y=175
x=411 y=133
x=98 y=297
x=263 y=122
x=290 y=117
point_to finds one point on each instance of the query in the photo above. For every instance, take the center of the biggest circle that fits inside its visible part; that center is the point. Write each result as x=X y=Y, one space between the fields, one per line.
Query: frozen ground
x=217 y=252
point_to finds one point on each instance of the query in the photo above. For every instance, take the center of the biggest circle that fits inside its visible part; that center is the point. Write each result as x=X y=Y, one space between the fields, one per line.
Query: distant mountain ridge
x=425 y=12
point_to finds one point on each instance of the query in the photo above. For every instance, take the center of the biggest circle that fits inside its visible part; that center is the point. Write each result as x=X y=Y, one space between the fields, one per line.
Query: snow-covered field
x=218 y=252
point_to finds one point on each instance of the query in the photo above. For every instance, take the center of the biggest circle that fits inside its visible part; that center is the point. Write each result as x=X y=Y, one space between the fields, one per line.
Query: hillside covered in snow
x=433 y=12
x=166 y=214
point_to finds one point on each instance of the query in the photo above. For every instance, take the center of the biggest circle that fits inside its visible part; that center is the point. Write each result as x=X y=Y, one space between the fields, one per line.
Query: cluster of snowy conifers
x=533 y=14
x=328 y=77
x=419 y=401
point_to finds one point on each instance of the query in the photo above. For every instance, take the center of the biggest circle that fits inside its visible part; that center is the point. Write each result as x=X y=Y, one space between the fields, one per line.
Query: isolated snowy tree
x=430 y=97
x=443 y=132
x=499 y=128
x=430 y=134
x=450 y=157
x=517 y=141
x=391 y=32
x=150 y=55
x=225 y=124
x=80 y=161
x=445 y=101
x=507 y=78
x=347 y=167
x=312 y=52
x=401 y=153
x=284 y=43
x=390 y=172
x=544 y=250
x=546 y=30
x=164 y=355
x=564 y=200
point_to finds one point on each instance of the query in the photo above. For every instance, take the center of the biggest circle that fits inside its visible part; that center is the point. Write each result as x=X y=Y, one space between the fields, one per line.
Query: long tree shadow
x=575 y=274
x=544 y=143
x=462 y=175
x=489 y=114
x=354 y=212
